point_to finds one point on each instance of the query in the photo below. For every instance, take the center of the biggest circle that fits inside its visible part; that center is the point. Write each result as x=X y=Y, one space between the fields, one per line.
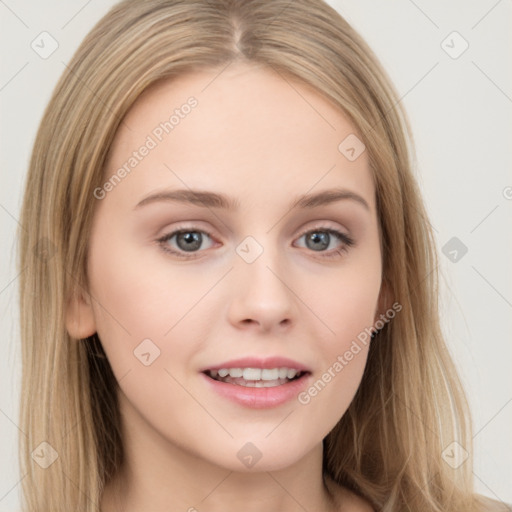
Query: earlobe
x=80 y=322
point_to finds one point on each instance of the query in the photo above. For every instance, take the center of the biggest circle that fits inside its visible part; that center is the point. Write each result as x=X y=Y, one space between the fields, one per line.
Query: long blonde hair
x=410 y=405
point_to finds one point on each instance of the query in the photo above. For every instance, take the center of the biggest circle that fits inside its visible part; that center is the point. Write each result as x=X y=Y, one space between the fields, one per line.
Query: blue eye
x=184 y=241
x=321 y=240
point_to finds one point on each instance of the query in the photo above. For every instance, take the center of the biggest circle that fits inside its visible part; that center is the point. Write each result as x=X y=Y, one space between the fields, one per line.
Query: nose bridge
x=261 y=293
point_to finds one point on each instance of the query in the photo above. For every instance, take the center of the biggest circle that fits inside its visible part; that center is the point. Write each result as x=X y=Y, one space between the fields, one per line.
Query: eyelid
x=323 y=226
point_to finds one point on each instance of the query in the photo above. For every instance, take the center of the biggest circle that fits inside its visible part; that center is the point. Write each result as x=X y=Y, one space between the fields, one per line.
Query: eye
x=189 y=242
x=183 y=241
x=328 y=240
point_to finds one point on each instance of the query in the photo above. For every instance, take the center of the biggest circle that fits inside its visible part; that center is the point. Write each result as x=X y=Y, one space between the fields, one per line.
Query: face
x=239 y=237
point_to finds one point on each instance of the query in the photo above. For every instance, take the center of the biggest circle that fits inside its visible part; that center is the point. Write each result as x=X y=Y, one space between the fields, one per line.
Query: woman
x=231 y=296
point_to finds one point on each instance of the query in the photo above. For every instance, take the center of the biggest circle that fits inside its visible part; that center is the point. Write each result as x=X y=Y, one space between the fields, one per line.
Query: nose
x=262 y=297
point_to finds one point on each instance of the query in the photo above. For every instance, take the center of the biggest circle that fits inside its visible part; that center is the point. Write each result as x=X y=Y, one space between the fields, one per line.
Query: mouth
x=256 y=382
x=256 y=377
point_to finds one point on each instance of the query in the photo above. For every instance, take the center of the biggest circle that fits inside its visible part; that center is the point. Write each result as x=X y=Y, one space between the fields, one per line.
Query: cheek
x=136 y=300
x=347 y=306
x=347 y=301
x=330 y=393
x=143 y=314
x=343 y=357
x=136 y=287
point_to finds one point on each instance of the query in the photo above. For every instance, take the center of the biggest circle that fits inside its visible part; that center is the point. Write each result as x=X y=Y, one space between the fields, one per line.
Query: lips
x=261 y=363
x=256 y=382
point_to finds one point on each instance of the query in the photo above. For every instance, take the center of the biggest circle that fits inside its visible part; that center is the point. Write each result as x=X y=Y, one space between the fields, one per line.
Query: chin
x=245 y=456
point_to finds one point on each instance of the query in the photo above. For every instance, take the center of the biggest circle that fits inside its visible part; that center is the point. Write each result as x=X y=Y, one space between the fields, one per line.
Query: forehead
x=250 y=126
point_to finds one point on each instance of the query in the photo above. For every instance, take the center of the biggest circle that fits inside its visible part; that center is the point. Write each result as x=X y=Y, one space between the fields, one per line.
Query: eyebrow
x=216 y=200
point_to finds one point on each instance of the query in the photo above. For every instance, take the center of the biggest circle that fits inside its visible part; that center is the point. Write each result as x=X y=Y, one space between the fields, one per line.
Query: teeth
x=283 y=372
x=256 y=375
x=270 y=374
x=255 y=383
x=252 y=374
x=263 y=383
x=236 y=372
x=291 y=374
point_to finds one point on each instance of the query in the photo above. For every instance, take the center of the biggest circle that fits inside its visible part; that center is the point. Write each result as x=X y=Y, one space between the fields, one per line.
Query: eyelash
x=342 y=237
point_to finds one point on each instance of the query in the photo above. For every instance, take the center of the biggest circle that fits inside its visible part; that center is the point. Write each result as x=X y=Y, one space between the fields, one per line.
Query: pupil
x=318 y=240
x=192 y=240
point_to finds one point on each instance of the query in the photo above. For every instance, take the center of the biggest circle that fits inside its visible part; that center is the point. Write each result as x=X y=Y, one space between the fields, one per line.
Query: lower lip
x=259 y=398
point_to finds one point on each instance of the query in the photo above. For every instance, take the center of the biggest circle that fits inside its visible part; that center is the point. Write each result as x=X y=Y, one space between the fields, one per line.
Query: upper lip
x=259 y=362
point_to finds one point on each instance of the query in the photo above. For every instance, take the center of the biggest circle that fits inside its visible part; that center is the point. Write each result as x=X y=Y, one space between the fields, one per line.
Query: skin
x=263 y=143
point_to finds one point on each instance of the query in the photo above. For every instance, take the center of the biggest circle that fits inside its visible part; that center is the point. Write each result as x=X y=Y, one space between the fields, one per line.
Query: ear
x=80 y=322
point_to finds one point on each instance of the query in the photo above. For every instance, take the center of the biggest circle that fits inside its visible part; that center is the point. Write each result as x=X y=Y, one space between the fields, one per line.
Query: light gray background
x=460 y=111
